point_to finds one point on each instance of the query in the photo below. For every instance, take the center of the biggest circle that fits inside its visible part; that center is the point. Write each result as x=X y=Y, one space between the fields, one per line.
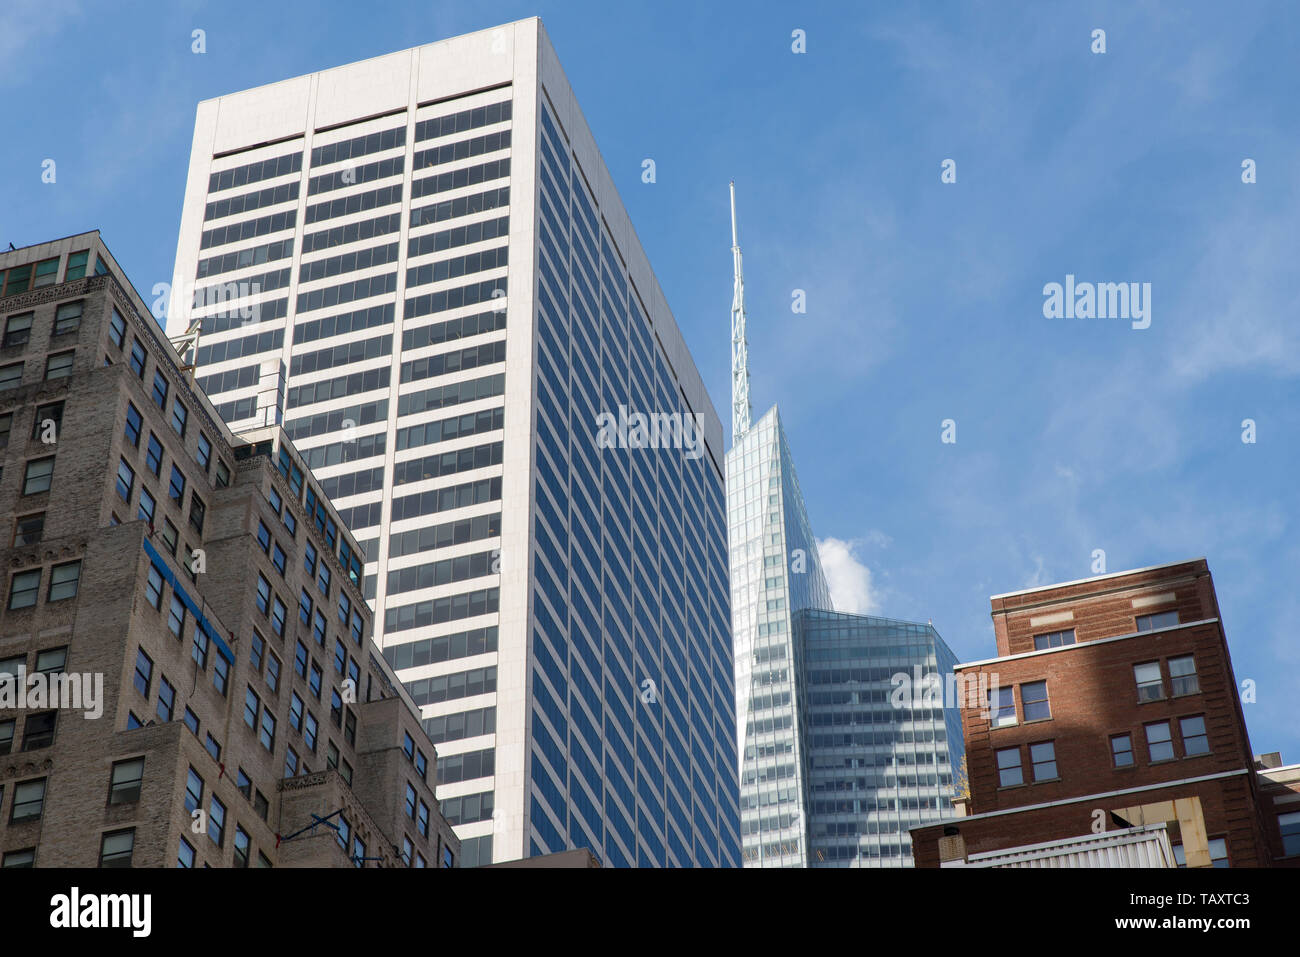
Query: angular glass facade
x=881 y=743
x=775 y=570
x=831 y=774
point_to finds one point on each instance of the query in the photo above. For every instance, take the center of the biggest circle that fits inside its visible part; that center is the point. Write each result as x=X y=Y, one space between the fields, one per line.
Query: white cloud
x=848 y=579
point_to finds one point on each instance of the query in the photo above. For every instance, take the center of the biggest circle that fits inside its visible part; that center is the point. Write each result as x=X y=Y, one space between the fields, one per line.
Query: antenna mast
x=740 y=408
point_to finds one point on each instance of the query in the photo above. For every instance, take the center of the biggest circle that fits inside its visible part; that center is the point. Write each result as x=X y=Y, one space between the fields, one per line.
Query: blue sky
x=924 y=299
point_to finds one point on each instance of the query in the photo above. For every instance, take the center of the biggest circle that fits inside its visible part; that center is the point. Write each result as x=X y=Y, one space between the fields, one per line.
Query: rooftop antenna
x=740 y=408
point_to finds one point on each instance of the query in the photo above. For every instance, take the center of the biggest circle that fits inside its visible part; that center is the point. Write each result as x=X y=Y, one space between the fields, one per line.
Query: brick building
x=1112 y=703
x=205 y=587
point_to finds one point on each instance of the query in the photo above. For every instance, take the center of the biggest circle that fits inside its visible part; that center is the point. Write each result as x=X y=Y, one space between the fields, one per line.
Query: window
x=125 y=781
x=1219 y=852
x=176 y=617
x=291 y=763
x=422 y=819
x=1054 y=639
x=318 y=626
x=197 y=511
x=143 y=672
x=76 y=265
x=1195 y=740
x=340 y=654
x=345 y=772
x=314 y=680
x=336 y=709
x=309 y=558
x=323 y=584
x=180 y=418
x=267 y=736
x=264 y=536
x=204 y=453
x=153 y=587
x=1033 y=697
x=185 y=855
x=344 y=832
x=263 y=595
x=421 y=765
x=252 y=704
x=64 y=580
x=278 y=613
x=1289 y=825
x=272 y=672
x=133 y=722
x=47 y=422
x=28 y=529
x=216 y=820
x=300 y=660
x=242 y=845
x=6 y=427
x=29 y=801
x=245 y=784
x=116 y=847
x=1182 y=676
x=350 y=728
x=176 y=487
x=1160 y=746
x=1043 y=758
x=23 y=858
x=1149 y=683
x=7 y=736
x=261 y=806
x=331 y=755
x=407 y=850
x=24 y=589
x=220 y=674
x=125 y=481
x=1009 y=773
x=147 y=506
x=18 y=331
x=117 y=329
x=192 y=721
x=309 y=732
x=295 y=711
x=419 y=860
x=1121 y=750
x=11 y=376
x=67 y=318
x=358 y=852
x=1002 y=707
x=38 y=475
x=278 y=558
x=51 y=661
x=223 y=475
x=38 y=730
x=170 y=536
x=159 y=389
x=448 y=860
x=59 y=365
x=166 y=699
x=153 y=455
x=410 y=802
x=19 y=278
x=408 y=746
x=256 y=649
x=138 y=356
x=1164 y=619
x=47 y=273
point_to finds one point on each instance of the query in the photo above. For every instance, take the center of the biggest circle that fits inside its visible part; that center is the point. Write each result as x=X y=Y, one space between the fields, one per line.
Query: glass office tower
x=881 y=750
x=775 y=570
x=420 y=265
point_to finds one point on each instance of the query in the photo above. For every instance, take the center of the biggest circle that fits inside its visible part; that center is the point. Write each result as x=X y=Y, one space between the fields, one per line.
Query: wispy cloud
x=846 y=575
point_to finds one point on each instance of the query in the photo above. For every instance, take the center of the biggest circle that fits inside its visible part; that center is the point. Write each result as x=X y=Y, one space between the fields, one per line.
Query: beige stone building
x=187 y=675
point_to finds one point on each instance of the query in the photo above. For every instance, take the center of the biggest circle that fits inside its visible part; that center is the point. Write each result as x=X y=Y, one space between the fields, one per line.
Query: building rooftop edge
x=1096 y=578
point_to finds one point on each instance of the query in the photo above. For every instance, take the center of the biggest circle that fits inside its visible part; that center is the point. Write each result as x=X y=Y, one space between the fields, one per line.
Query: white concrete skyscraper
x=440 y=297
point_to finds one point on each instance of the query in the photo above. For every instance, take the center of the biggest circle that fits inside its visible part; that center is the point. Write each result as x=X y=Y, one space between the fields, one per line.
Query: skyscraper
x=824 y=774
x=444 y=303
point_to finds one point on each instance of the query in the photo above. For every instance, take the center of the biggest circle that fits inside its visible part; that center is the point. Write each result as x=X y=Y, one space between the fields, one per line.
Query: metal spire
x=740 y=408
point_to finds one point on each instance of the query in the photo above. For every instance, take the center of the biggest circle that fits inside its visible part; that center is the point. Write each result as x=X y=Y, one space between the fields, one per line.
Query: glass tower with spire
x=832 y=772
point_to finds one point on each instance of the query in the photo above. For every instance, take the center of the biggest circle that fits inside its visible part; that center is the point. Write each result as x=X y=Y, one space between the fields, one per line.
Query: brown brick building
x=202 y=582
x=1112 y=702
